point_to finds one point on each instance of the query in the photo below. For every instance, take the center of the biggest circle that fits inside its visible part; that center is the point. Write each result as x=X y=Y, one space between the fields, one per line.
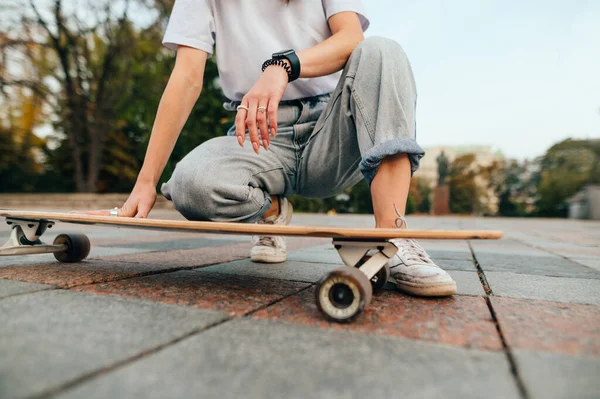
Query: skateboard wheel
x=78 y=247
x=342 y=294
x=380 y=279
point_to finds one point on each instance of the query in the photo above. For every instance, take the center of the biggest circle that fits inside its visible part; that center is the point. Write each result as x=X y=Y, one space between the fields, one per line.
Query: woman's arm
x=331 y=55
x=323 y=59
x=179 y=97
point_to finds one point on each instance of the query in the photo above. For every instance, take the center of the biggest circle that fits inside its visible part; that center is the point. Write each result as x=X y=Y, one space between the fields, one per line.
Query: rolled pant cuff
x=372 y=159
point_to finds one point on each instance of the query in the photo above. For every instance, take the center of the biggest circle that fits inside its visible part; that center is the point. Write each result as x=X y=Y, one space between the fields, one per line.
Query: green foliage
x=358 y=200
x=565 y=169
x=18 y=167
x=425 y=205
x=418 y=196
x=464 y=196
x=513 y=186
x=21 y=149
x=410 y=205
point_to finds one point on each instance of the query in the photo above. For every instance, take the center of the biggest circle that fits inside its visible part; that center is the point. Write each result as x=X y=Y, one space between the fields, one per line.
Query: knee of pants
x=380 y=47
x=192 y=194
x=207 y=196
x=198 y=195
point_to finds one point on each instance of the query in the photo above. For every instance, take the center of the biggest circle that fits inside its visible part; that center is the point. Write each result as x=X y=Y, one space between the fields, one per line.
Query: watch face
x=283 y=53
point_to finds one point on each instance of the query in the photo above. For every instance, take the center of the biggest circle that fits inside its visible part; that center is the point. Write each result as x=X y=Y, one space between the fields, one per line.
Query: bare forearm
x=332 y=54
x=179 y=97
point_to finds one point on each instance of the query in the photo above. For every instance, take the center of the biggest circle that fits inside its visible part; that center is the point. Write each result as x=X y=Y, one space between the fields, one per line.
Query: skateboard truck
x=343 y=293
x=25 y=240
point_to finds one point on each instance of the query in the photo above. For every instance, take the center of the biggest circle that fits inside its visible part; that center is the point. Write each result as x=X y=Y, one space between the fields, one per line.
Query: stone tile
x=593 y=262
x=117 y=267
x=10 y=287
x=551 y=266
x=294 y=243
x=236 y=295
x=52 y=337
x=554 y=376
x=324 y=254
x=173 y=245
x=572 y=251
x=566 y=328
x=546 y=288
x=95 y=253
x=450 y=245
x=263 y=359
x=148 y=237
x=188 y=257
x=462 y=321
x=448 y=249
x=467 y=283
x=448 y=260
x=445 y=254
x=290 y=270
x=66 y=275
x=505 y=247
x=454 y=264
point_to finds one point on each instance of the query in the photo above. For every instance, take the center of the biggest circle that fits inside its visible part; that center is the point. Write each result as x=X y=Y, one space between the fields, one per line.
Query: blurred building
x=585 y=204
x=484 y=156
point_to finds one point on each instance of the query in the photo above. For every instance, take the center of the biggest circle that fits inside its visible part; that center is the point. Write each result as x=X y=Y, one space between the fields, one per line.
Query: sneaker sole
x=262 y=258
x=265 y=258
x=444 y=289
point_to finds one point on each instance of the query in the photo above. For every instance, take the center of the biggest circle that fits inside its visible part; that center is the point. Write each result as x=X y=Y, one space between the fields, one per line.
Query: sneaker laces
x=266 y=241
x=413 y=251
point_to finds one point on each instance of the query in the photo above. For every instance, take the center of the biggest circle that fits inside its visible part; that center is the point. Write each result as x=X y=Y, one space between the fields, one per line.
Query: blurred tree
x=564 y=169
x=22 y=150
x=425 y=192
x=100 y=74
x=414 y=196
x=464 y=193
x=89 y=48
x=360 y=198
x=410 y=205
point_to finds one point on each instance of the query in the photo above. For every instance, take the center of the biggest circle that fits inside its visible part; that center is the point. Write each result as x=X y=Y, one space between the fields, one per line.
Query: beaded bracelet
x=278 y=62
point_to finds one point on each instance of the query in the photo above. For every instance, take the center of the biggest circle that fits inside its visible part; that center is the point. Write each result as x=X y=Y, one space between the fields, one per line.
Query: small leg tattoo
x=400 y=222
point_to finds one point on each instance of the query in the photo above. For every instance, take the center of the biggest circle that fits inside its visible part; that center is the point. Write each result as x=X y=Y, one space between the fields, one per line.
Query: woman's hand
x=262 y=102
x=140 y=202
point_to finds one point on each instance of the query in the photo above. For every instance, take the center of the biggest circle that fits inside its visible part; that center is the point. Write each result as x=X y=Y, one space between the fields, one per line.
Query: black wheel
x=342 y=294
x=78 y=247
x=380 y=279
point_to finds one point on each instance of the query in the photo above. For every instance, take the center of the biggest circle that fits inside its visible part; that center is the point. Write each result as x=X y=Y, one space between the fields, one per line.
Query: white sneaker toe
x=415 y=273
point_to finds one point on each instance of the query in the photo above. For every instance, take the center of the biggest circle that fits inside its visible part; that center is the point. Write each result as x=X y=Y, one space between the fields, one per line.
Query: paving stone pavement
x=161 y=315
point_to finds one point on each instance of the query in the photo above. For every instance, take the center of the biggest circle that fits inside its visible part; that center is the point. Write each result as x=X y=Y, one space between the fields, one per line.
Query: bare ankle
x=274 y=209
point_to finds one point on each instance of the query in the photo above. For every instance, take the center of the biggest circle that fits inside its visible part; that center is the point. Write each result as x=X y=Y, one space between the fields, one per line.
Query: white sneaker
x=272 y=249
x=416 y=274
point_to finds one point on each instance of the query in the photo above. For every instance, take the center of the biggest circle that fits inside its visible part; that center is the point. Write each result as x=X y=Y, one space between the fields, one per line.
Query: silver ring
x=114 y=211
x=242 y=107
x=262 y=109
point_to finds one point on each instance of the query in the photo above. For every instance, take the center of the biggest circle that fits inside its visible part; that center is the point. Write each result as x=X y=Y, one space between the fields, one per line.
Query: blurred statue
x=443 y=165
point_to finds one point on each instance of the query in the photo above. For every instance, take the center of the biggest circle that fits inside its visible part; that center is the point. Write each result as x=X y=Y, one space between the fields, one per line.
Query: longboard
x=341 y=294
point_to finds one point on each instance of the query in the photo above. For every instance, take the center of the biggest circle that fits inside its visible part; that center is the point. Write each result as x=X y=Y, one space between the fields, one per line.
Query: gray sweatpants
x=324 y=144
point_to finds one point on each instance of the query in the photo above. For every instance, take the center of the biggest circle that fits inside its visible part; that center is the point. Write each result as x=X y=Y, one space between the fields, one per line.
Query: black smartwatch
x=290 y=55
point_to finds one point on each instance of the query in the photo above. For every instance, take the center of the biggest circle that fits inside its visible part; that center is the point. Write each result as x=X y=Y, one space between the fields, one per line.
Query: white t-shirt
x=248 y=32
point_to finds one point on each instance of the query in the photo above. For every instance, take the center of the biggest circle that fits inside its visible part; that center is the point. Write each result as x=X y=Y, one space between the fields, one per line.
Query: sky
x=516 y=75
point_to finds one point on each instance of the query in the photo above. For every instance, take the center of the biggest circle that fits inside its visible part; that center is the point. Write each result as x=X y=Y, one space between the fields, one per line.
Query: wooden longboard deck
x=247 y=228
